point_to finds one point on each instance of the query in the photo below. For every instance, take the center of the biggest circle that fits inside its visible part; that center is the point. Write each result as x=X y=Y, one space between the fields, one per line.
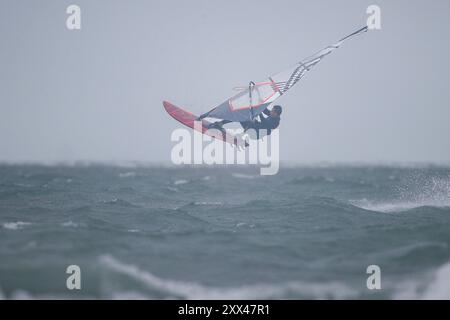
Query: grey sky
x=96 y=94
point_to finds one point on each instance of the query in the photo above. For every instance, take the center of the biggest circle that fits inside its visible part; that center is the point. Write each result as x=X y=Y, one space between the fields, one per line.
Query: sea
x=325 y=231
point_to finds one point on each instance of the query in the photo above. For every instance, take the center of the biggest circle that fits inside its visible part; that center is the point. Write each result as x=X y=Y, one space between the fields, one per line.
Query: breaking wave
x=195 y=291
x=433 y=286
x=15 y=225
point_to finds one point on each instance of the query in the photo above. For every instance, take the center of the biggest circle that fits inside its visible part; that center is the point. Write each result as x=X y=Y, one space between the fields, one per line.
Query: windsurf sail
x=254 y=99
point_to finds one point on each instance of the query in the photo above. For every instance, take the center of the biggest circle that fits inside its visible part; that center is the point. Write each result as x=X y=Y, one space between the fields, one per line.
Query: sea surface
x=224 y=232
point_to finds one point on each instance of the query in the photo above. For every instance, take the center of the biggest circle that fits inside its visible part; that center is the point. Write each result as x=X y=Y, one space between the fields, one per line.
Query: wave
x=69 y=224
x=244 y=176
x=130 y=174
x=311 y=179
x=133 y=230
x=208 y=203
x=324 y=180
x=396 y=206
x=242 y=224
x=21 y=294
x=119 y=203
x=433 y=286
x=195 y=291
x=417 y=190
x=15 y=225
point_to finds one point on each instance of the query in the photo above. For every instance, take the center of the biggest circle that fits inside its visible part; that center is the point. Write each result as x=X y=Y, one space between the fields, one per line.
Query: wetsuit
x=268 y=123
x=265 y=123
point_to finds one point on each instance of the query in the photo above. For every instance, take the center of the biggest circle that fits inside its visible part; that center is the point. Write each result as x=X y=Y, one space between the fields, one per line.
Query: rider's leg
x=218 y=124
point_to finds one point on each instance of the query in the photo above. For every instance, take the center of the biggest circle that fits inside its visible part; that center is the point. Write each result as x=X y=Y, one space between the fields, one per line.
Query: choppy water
x=213 y=233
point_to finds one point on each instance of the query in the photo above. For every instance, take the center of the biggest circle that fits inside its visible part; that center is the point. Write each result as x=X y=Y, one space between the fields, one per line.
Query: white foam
x=439 y=288
x=129 y=174
x=208 y=203
x=244 y=176
x=415 y=191
x=395 y=206
x=178 y=182
x=69 y=224
x=191 y=290
x=384 y=206
x=21 y=294
x=15 y=225
x=128 y=295
x=434 y=286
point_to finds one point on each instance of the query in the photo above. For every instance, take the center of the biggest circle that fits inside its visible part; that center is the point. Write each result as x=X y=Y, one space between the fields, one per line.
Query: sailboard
x=188 y=119
x=250 y=101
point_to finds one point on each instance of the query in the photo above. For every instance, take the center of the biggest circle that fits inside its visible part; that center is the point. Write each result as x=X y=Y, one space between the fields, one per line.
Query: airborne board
x=187 y=118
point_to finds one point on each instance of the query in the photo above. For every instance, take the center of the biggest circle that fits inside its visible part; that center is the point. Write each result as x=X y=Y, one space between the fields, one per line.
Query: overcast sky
x=96 y=94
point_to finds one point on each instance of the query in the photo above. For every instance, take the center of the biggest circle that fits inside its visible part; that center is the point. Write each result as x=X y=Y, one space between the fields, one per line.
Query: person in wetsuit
x=268 y=123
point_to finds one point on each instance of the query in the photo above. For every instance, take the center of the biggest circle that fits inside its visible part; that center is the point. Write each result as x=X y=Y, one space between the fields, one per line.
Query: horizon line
x=168 y=164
